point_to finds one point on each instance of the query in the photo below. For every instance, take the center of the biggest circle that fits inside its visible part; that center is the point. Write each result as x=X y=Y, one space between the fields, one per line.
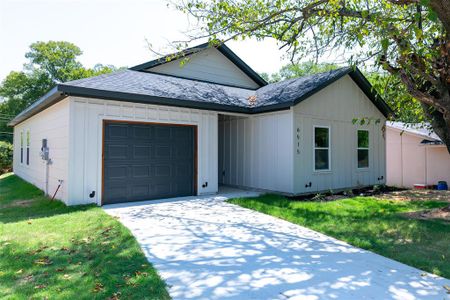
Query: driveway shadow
x=208 y=249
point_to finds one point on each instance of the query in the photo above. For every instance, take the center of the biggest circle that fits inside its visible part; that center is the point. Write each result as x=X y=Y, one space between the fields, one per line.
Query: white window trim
x=27 y=147
x=318 y=148
x=363 y=148
x=21 y=148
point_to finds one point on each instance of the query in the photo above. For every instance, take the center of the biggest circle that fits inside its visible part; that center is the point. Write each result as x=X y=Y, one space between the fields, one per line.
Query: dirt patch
x=18 y=203
x=437 y=213
x=416 y=195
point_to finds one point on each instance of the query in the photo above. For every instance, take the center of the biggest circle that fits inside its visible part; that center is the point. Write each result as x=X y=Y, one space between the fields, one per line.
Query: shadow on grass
x=62 y=252
x=38 y=208
x=20 y=201
x=104 y=264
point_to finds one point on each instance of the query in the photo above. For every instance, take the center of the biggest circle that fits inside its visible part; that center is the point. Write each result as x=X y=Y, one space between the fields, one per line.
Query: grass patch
x=51 y=251
x=369 y=223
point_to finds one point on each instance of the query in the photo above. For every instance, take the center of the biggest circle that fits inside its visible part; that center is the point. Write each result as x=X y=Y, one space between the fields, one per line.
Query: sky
x=109 y=32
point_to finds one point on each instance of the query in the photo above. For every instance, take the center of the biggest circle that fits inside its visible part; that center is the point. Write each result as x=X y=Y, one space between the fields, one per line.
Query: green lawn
x=372 y=224
x=50 y=251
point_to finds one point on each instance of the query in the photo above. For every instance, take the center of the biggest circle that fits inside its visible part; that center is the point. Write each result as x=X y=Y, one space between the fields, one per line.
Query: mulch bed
x=396 y=194
x=437 y=213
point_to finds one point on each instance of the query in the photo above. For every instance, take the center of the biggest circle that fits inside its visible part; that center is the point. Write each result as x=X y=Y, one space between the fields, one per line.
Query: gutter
x=53 y=96
x=62 y=90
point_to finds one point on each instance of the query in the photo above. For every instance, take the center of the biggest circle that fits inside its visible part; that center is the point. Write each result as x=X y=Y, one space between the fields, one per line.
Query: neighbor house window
x=21 y=147
x=28 y=147
x=321 y=148
x=363 y=149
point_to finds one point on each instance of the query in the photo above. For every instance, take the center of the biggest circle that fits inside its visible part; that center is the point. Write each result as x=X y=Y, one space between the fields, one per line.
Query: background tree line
x=48 y=63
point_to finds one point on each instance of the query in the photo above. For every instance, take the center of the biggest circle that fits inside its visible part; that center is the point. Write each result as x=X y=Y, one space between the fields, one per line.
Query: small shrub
x=348 y=193
x=378 y=188
x=6 y=157
x=318 y=197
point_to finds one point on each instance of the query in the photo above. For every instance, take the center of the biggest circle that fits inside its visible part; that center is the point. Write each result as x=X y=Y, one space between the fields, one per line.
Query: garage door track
x=205 y=248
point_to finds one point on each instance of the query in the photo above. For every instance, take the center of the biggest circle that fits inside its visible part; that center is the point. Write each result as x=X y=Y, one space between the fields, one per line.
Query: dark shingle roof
x=293 y=90
x=157 y=85
x=151 y=88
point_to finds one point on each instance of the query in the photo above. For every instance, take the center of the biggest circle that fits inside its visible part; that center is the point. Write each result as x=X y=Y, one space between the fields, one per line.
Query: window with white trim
x=321 y=148
x=28 y=147
x=363 y=149
x=21 y=147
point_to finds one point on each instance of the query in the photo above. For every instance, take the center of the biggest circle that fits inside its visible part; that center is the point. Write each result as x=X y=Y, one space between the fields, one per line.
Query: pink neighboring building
x=415 y=156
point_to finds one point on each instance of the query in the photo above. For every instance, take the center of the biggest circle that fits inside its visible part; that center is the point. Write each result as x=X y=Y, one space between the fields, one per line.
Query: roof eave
x=50 y=98
x=146 y=99
x=414 y=133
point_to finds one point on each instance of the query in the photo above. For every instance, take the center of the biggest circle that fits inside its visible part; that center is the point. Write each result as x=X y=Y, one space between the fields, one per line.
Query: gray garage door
x=147 y=161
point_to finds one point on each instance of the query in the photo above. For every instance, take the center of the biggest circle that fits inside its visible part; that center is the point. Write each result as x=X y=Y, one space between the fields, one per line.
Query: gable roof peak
x=222 y=48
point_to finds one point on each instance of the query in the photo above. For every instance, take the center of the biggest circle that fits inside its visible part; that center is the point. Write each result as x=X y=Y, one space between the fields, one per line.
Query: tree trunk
x=441 y=125
x=442 y=9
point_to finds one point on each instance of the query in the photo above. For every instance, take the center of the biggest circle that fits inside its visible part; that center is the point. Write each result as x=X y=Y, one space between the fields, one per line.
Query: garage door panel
x=182 y=151
x=182 y=187
x=117 y=152
x=180 y=133
x=182 y=169
x=141 y=151
x=116 y=131
x=163 y=151
x=141 y=132
x=141 y=171
x=116 y=172
x=147 y=161
x=163 y=170
x=140 y=190
x=118 y=192
x=163 y=132
x=163 y=189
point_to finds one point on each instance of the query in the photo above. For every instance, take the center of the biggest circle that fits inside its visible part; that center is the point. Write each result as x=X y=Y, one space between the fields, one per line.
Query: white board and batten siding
x=51 y=124
x=255 y=151
x=335 y=107
x=208 y=65
x=86 y=142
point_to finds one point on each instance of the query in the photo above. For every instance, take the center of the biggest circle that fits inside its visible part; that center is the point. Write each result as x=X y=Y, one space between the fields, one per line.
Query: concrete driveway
x=208 y=249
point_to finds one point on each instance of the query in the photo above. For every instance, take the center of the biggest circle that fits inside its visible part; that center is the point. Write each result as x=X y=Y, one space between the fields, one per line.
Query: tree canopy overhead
x=299 y=70
x=408 y=38
x=48 y=63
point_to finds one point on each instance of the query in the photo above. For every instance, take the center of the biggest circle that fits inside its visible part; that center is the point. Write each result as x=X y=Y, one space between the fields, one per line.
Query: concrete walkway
x=208 y=249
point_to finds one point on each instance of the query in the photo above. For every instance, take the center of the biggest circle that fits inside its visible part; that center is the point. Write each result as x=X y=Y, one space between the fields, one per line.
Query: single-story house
x=415 y=155
x=165 y=129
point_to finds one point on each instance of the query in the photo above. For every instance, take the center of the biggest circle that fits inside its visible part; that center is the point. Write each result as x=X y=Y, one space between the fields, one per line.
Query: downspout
x=46 y=177
x=426 y=166
x=401 y=159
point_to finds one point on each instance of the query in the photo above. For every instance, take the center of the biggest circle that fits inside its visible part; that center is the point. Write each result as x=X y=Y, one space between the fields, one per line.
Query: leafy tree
x=49 y=63
x=58 y=59
x=6 y=157
x=408 y=38
x=299 y=70
x=406 y=108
